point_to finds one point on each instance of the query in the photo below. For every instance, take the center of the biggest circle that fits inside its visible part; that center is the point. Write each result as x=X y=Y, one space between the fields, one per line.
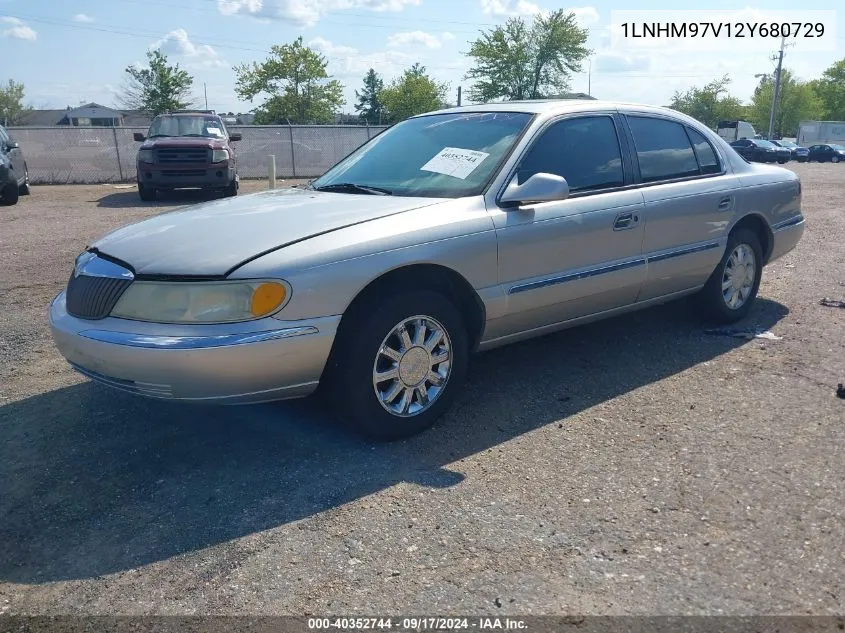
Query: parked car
x=827 y=152
x=797 y=152
x=761 y=151
x=186 y=150
x=452 y=232
x=14 y=175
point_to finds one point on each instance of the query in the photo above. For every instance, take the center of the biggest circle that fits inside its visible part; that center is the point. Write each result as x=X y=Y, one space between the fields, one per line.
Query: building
x=88 y=115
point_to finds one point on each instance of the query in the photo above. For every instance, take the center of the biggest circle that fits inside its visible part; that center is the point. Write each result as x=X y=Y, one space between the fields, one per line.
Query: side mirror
x=139 y=137
x=13 y=145
x=237 y=136
x=540 y=187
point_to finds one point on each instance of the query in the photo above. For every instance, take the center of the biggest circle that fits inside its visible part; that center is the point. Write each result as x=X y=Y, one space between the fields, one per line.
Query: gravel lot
x=633 y=466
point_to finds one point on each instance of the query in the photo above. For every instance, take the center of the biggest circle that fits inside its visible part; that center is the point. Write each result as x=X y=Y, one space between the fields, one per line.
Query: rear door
x=689 y=200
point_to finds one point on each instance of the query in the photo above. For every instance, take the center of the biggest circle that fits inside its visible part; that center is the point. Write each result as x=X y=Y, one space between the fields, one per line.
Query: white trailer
x=817 y=132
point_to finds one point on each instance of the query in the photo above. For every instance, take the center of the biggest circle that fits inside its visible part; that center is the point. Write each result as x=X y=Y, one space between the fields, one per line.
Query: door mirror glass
x=540 y=187
x=139 y=137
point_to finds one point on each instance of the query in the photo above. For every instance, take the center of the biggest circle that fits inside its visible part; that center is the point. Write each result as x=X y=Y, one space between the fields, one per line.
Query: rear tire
x=147 y=194
x=420 y=377
x=9 y=196
x=731 y=290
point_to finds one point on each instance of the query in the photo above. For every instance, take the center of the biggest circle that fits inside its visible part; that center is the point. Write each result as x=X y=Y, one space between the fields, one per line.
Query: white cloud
x=177 y=43
x=446 y=36
x=409 y=38
x=586 y=16
x=81 y=17
x=305 y=12
x=19 y=30
x=509 y=7
x=349 y=63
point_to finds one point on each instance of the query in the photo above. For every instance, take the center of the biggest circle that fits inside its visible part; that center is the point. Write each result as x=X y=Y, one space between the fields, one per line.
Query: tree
x=369 y=105
x=797 y=101
x=709 y=104
x=12 y=109
x=159 y=87
x=411 y=94
x=830 y=89
x=294 y=78
x=514 y=61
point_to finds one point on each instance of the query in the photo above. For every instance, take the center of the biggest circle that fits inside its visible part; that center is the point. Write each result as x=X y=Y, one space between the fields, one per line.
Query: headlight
x=201 y=302
x=145 y=155
x=219 y=155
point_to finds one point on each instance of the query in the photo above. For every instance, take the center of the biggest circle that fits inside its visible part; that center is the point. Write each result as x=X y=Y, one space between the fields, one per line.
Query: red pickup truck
x=186 y=150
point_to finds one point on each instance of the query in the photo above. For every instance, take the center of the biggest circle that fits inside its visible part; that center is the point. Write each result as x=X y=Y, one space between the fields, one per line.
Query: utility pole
x=777 y=88
x=459 y=96
x=590 y=77
x=205 y=90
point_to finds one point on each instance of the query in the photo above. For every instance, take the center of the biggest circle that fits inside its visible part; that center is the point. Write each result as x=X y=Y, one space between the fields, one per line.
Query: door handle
x=624 y=221
x=725 y=204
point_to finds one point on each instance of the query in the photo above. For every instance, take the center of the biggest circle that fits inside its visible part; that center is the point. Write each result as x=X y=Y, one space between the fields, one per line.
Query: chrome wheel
x=738 y=278
x=412 y=366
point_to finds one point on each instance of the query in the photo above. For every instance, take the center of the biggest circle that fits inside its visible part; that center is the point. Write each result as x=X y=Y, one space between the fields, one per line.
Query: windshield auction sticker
x=455 y=162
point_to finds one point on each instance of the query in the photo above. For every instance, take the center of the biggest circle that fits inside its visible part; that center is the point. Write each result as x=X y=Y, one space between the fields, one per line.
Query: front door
x=565 y=259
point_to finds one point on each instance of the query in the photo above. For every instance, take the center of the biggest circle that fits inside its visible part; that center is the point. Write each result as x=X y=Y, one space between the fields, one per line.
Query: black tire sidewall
x=10 y=194
x=711 y=296
x=351 y=384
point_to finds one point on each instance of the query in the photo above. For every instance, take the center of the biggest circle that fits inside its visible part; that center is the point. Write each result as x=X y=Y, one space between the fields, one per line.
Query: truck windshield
x=438 y=155
x=209 y=127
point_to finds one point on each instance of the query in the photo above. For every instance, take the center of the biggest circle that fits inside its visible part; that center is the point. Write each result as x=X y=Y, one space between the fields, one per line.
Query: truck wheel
x=10 y=195
x=232 y=190
x=147 y=194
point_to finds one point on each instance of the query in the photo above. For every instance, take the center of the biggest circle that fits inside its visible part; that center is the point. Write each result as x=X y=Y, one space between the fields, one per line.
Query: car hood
x=212 y=239
x=183 y=141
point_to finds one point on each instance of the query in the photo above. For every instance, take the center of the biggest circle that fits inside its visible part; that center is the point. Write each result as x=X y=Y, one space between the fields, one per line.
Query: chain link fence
x=91 y=155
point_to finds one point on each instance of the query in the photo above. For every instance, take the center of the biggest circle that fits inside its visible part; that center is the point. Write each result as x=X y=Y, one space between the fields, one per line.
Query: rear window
x=663 y=149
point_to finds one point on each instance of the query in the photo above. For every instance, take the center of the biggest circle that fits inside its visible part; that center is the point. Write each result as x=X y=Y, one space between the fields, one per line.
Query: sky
x=69 y=52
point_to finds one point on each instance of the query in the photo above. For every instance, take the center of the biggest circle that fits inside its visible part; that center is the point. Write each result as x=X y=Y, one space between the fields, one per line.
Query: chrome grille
x=93 y=297
x=177 y=155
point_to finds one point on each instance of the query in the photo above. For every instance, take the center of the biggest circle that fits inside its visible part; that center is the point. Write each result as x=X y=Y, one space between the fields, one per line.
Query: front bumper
x=186 y=176
x=240 y=363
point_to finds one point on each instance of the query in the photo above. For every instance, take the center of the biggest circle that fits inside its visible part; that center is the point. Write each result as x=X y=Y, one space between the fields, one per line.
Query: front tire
x=147 y=194
x=24 y=189
x=399 y=364
x=10 y=194
x=834 y=159
x=731 y=290
x=232 y=190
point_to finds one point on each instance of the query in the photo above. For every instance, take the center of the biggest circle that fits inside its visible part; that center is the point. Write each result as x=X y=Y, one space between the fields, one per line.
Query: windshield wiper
x=351 y=186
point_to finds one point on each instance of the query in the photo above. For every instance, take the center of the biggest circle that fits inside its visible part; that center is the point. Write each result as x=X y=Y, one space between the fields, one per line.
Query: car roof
x=552 y=106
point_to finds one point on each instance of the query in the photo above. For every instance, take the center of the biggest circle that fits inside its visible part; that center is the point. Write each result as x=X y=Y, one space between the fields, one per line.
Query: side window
x=584 y=150
x=663 y=149
x=705 y=153
x=4 y=138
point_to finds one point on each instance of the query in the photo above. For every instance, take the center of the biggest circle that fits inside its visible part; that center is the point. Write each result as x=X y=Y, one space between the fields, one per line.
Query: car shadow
x=95 y=481
x=129 y=198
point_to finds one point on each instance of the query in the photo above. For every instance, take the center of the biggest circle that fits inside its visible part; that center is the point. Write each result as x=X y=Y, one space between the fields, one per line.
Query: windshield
x=440 y=155
x=787 y=144
x=765 y=144
x=837 y=147
x=207 y=126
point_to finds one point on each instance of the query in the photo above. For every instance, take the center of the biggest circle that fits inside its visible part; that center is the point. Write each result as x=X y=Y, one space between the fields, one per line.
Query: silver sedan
x=450 y=233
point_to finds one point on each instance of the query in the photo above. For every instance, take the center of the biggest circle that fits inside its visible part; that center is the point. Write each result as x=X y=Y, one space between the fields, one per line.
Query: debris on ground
x=832 y=303
x=746 y=334
x=840 y=391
